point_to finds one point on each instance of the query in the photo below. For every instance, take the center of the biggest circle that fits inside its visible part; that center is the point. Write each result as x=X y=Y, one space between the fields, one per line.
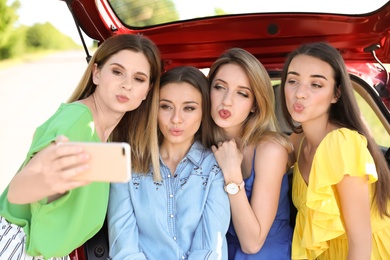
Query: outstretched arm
x=48 y=174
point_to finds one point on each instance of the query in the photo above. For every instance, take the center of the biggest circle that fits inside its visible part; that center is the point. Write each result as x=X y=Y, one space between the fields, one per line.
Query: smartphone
x=109 y=162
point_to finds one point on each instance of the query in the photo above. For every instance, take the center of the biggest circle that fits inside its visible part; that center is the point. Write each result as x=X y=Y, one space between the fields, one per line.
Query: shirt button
x=169 y=176
x=171 y=196
x=174 y=238
x=172 y=216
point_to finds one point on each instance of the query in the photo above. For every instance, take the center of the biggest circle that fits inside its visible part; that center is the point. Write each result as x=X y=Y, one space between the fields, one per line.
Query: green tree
x=219 y=11
x=140 y=13
x=47 y=37
x=7 y=20
x=16 y=44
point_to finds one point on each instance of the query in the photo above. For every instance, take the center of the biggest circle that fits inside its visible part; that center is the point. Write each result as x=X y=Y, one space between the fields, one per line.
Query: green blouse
x=57 y=228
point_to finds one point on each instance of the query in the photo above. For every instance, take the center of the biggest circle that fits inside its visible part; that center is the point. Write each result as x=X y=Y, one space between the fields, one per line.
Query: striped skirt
x=12 y=243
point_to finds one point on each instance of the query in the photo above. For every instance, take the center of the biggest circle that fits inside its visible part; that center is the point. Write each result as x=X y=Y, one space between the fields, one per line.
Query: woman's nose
x=177 y=117
x=127 y=84
x=227 y=99
x=301 y=91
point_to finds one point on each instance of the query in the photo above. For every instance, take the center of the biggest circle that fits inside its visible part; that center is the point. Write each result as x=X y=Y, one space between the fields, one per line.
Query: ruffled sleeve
x=342 y=152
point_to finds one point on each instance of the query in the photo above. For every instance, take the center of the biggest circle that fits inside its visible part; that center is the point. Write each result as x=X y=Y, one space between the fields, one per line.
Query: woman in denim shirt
x=184 y=213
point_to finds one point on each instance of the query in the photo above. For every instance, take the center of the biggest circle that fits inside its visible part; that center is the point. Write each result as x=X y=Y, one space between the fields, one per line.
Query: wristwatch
x=233 y=188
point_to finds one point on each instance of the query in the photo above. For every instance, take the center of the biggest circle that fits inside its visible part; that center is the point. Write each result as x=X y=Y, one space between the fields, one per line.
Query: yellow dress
x=319 y=232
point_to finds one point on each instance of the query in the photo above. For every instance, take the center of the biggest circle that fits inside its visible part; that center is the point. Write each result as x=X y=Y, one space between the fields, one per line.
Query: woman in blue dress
x=253 y=156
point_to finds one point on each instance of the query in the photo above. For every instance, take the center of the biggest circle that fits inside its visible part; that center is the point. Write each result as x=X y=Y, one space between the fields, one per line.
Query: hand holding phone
x=109 y=162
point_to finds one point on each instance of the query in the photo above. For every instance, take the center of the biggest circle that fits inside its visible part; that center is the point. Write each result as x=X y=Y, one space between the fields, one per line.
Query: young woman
x=253 y=156
x=44 y=212
x=341 y=180
x=184 y=214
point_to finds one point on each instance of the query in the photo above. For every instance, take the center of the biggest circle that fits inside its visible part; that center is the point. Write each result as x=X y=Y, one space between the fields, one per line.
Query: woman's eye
x=292 y=82
x=243 y=94
x=140 y=79
x=116 y=72
x=189 y=108
x=218 y=86
x=164 y=106
x=316 y=85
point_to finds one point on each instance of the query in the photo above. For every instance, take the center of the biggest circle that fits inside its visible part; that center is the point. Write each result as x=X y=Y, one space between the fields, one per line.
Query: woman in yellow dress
x=341 y=181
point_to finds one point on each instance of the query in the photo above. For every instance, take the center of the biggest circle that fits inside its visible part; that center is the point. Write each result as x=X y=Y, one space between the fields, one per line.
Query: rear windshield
x=147 y=13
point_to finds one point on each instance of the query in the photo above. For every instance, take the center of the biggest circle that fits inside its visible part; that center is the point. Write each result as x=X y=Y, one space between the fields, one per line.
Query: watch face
x=232 y=188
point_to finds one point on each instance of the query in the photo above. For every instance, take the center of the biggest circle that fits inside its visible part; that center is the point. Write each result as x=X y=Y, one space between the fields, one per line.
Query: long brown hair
x=139 y=126
x=345 y=113
x=198 y=80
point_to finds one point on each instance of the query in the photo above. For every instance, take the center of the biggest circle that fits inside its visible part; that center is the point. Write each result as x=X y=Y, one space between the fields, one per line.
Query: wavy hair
x=262 y=123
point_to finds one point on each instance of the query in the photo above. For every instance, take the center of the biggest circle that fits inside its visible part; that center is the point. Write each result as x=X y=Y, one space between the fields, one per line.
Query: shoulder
x=69 y=118
x=200 y=154
x=74 y=110
x=72 y=120
x=269 y=146
x=344 y=137
x=271 y=149
x=271 y=159
x=274 y=141
x=67 y=114
x=204 y=158
x=345 y=150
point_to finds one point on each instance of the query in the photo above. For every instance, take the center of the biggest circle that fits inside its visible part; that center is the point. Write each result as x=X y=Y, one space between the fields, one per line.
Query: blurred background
x=30 y=27
x=41 y=62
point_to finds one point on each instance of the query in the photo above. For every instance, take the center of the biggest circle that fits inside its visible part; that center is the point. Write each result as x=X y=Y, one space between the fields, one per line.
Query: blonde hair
x=137 y=127
x=262 y=123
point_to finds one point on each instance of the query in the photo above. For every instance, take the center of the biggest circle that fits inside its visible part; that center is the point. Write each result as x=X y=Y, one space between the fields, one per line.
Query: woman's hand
x=229 y=159
x=49 y=173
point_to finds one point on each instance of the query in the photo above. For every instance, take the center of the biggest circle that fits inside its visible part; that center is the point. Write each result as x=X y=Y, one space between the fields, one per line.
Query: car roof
x=268 y=34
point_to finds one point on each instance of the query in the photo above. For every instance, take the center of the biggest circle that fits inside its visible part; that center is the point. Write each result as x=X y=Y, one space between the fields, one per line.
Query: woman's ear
x=95 y=74
x=337 y=95
x=253 y=109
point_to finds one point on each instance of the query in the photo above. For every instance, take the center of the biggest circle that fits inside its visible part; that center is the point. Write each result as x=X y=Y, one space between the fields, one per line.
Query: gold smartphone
x=109 y=162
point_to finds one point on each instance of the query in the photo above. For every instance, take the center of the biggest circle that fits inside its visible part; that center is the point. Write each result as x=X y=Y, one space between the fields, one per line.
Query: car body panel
x=268 y=36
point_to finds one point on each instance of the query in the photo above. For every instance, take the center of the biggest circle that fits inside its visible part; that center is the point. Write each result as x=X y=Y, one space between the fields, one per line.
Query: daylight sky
x=56 y=12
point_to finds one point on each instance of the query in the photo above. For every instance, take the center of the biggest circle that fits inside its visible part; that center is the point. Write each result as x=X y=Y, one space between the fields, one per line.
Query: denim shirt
x=185 y=216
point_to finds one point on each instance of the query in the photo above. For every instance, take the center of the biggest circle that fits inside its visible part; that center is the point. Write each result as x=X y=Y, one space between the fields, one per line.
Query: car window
x=381 y=136
x=144 y=13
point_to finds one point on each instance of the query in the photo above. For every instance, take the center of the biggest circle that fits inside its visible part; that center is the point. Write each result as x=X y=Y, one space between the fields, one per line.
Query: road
x=29 y=94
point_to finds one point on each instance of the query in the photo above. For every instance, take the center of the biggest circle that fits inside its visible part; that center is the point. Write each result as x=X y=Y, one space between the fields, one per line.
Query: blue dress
x=277 y=245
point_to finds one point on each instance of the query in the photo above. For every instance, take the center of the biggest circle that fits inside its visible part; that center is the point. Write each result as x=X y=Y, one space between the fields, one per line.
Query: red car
x=196 y=33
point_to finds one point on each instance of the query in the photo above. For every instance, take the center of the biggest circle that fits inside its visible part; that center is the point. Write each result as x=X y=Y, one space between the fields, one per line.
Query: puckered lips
x=224 y=114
